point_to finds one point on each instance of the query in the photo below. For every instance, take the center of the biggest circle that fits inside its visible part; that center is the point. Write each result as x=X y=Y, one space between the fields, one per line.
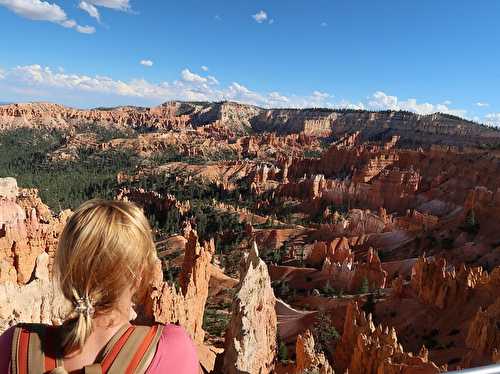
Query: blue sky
x=424 y=56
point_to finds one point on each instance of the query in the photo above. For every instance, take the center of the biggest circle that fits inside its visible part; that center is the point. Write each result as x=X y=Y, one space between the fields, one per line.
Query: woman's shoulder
x=175 y=332
x=176 y=352
x=175 y=337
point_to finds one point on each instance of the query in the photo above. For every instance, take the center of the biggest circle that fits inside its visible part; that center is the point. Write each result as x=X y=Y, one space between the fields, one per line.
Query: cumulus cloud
x=482 y=104
x=37 y=82
x=212 y=80
x=381 y=101
x=147 y=63
x=188 y=76
x=260 y=17
x=90 y=9
x=190 y=86
x=204 y=68
x=38 y=10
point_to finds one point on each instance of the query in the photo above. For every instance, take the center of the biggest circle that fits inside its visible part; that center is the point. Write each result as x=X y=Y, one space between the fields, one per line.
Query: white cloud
x=90 y=9
x=381 y=101
x=204 y=68
x=492 y=119
x=188 y=76
x=277 y=97
x=323 y=24
x=212 y=80
x=147 y=63
x=70 y=23
x=271 y=21
x=35 y=82
x=85 y=29
x=38 y=10
x=260 y=17
x=123 y=5
x=482 y=104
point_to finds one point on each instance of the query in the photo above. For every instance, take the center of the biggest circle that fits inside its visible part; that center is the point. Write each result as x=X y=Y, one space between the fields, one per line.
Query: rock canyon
x=289 y=240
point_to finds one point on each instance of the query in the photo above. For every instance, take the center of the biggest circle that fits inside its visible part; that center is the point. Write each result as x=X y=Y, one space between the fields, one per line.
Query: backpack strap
x=130 y=351
x=28 y=350
x=17 y=367
x=134 y=350
x=146 y=351
x=114 y=347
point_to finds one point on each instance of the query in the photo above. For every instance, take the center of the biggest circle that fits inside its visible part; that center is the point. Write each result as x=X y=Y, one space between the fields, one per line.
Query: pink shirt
x=176 y=353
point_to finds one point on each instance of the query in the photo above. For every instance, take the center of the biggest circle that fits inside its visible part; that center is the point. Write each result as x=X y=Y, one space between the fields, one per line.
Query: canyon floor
x=289 y=241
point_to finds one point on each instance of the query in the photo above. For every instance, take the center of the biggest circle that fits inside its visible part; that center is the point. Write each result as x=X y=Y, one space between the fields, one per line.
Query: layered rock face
x=39 y=301
x=286 y=121
x=28 y=240
x=27 y=229
x=250 y=343
x=239 y=117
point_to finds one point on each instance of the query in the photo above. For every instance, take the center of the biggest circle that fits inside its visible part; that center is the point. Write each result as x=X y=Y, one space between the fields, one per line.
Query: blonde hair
x=105 y=248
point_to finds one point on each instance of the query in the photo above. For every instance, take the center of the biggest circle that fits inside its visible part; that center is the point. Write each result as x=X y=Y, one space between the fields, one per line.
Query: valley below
x=289 y=240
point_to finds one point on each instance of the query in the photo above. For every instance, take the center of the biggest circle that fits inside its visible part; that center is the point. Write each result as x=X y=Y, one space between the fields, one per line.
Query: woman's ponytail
x=78 y=329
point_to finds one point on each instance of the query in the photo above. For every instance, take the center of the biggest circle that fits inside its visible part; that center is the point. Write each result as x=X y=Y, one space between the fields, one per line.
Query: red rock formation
x=370 y=271
x=39 y=301
x=436 y=285
x=235 y=118
x=484 y=332
x=27 y=230
x=365 y=349
x=250 y=342
x=28 y=240
x=166 y=304
x=307 y=359
x=185 y=306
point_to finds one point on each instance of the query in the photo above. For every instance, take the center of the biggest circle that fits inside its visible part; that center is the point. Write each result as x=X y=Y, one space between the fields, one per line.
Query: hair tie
x=83 y=305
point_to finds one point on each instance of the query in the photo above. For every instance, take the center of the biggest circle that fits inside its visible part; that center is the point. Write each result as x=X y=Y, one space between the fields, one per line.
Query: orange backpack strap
x=114 y=348
x=146 y=351
x=27 y=353
x=133 y=351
